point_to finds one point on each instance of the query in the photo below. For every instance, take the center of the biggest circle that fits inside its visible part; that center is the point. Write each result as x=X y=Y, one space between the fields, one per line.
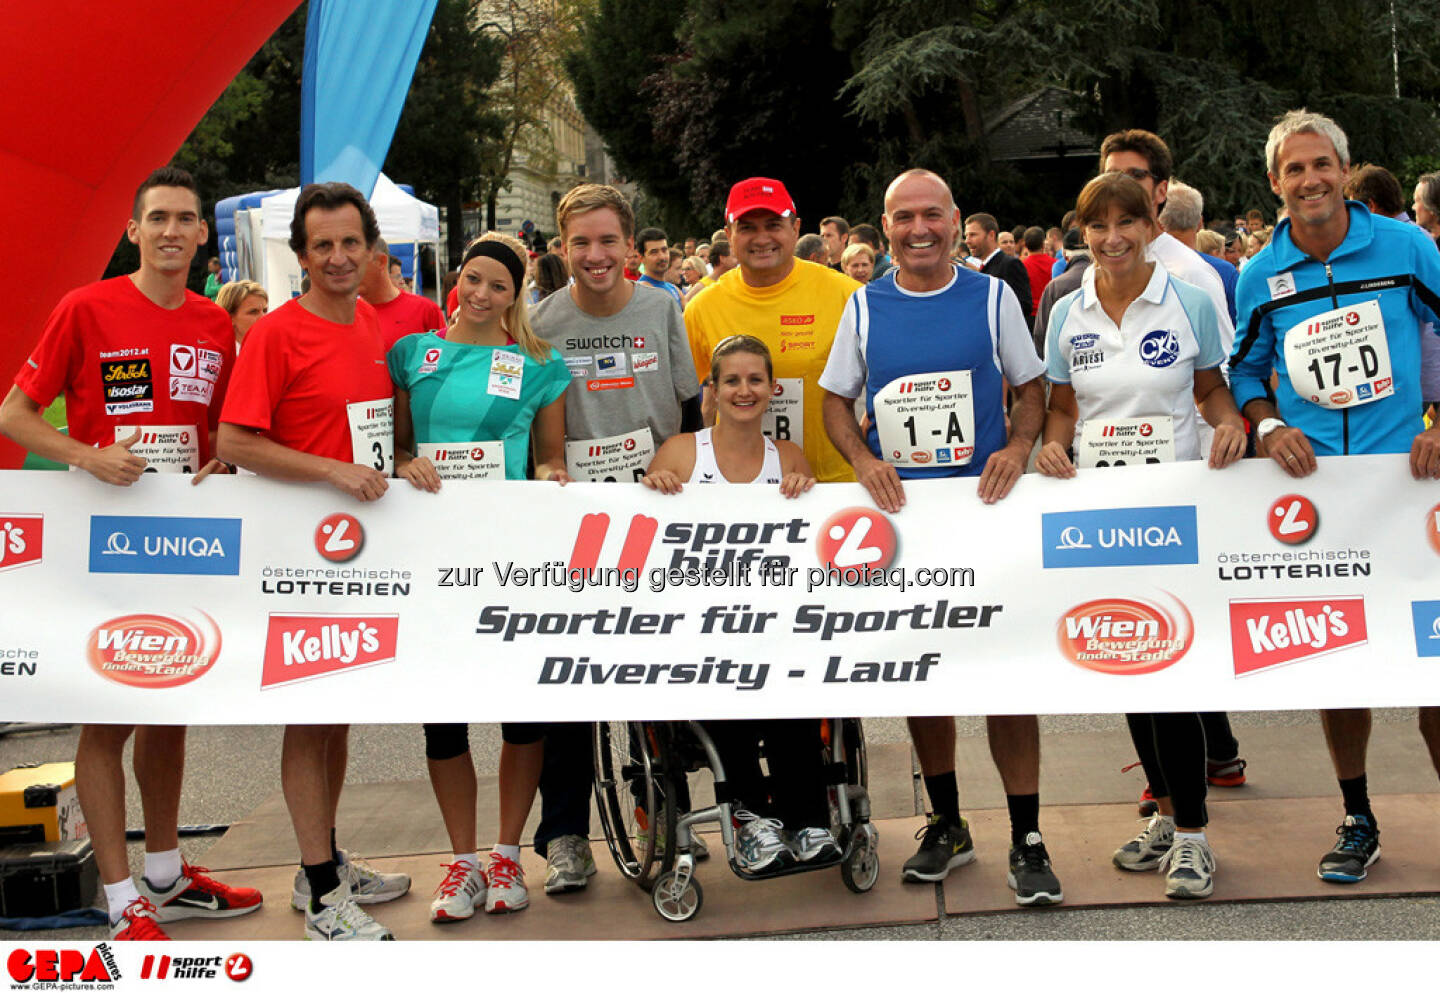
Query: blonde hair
x=592 y=196
x=233 y=294
x=516 y=319
x=1209 y=242
x=851 y=251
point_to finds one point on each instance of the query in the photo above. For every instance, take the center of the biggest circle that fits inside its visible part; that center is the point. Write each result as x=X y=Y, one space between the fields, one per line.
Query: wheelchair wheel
x=862 y=868
x=677 y=899
x=631 y=786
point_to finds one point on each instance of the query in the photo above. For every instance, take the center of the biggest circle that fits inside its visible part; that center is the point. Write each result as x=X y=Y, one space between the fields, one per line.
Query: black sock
x=1024 y=815
x=944 y=796
x=322 y=878
x=335 y=849
x=1357 y=797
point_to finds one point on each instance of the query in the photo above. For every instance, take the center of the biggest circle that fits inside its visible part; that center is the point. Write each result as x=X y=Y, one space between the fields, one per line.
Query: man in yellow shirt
x=792 y=305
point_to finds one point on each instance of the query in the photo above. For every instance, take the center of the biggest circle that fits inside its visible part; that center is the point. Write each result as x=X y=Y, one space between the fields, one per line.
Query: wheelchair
x=642 y=796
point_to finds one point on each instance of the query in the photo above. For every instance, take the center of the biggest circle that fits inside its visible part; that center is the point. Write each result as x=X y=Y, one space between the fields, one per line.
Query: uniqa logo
x=153 y=651
x=1124 y=636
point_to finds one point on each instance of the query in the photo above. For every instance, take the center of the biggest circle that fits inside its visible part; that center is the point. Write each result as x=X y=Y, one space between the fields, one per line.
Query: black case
x=44 y=878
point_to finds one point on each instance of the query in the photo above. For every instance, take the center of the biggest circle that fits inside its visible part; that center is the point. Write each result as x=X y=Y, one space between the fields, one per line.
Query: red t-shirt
x=409 y=313
x=298 y=374
x=1038 y=264
x=122 y=359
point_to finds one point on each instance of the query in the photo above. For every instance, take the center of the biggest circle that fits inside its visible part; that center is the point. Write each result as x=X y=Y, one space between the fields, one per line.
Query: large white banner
x=243 y=600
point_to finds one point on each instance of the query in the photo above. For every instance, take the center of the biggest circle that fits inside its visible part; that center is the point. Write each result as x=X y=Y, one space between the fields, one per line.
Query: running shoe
x=366 y=885
x=1149 y=806
x=507 y=891
x=568 y=864
x=1229 y=773
x=138 y=923
x=1192 y=869
x=194 y=894
x=459 y=893
x=813 y=843
x=1147 y=849
x=759 y=844
x=1357 y=850
x=1030 y=875
x=340 y=918
x=943 y=846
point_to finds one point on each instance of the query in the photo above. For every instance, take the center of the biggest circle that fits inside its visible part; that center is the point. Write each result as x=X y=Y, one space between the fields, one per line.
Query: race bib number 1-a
x=784 y=419
x=927 y=420
x=620 y=458
x=372 y=434
x=1125 y=441
x=472 y=460
x=165 y=447
x=1340 y=358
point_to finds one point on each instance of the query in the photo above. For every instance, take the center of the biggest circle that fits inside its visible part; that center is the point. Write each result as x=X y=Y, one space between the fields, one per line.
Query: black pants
x=1220 y=743
x=795 y=791
x=566 y=782
x=1172 y=750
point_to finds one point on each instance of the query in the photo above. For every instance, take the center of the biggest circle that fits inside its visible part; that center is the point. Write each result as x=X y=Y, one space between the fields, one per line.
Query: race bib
x=472 y=460
x=927 y=420
x=621 y=458
x=166 y=447
x=784 y=419
x=1125 y=441
x=1340 y=358
x=507 y=369
x=372 y=434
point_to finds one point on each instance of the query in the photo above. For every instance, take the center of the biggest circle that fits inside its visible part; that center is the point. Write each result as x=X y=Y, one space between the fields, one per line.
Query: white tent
x=404 y=220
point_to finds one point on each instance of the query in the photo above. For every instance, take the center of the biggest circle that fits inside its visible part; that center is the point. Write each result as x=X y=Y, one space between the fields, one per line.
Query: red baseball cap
x=758 y=193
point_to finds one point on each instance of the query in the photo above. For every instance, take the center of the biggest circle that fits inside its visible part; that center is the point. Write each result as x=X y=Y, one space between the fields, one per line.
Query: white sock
x=1190 y=836
x=120 y=895
x=511 y=852
x=471 y=859
x=162 y=868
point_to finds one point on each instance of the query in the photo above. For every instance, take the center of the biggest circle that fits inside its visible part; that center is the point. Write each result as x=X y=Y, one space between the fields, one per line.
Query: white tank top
x=706 y=471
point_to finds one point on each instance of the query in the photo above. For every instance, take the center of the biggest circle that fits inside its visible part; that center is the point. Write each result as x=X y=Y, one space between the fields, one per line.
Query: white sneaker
x=568 y=864
x=507 y=891
x=1147 y=850
x=459 y=893
x=809 y=844
x=341 y=919
x=758 y=843
x=1192 y=868
x=366 y=885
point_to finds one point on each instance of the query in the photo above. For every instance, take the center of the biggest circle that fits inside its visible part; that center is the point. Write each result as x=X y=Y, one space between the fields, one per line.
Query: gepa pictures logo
x=62 y=965
x=153 y=651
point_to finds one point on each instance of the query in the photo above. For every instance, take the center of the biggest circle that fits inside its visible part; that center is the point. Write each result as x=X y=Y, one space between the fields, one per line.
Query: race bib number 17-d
x=927 y=420
x=1340 y=358
x=372 y=434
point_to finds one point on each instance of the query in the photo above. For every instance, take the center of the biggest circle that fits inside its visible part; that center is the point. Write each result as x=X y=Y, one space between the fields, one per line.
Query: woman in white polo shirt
x=1130 y=356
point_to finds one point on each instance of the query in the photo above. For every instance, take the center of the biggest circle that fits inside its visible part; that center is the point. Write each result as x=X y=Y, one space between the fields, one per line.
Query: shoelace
x=455 y=875
x=926 y=832
x=348 y=913
x=774 y=841
x=1187 y=855
x=140 y=915
x=195 y=876
x=1354 y=838
x=503 y=871
x=1034 y=857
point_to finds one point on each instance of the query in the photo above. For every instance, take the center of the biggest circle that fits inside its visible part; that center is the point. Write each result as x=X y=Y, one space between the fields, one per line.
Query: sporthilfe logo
x=304 y=646
x=700 y=546
x=171 y=546
x=22 y=540
x=153 y=651
x=1267 y=633
x=1121 y=537
x=1293 y=519
x=1125 y=636
x=339 y=538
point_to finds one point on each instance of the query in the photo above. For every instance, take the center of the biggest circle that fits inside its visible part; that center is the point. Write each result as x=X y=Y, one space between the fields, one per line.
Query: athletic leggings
x=1172 y=750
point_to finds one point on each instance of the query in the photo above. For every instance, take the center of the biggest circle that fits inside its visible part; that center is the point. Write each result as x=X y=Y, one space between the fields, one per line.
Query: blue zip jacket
x=1380 y=259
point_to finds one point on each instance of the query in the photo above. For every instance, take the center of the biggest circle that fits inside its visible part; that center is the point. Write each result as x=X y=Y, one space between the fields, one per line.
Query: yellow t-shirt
x=796 y=318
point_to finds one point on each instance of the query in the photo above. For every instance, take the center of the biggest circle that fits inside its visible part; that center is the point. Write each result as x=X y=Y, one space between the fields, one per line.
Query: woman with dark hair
x=550 y=275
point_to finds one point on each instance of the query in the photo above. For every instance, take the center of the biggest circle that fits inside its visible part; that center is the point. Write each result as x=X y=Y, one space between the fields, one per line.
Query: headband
x=501 y=253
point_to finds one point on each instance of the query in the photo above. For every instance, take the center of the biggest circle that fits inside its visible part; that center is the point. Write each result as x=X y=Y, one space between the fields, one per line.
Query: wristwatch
x=1266 y=426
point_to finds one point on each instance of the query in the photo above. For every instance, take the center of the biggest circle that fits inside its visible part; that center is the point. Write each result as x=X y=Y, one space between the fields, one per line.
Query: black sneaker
x=943 y=846
x=1357 y=850
x=1030 y=875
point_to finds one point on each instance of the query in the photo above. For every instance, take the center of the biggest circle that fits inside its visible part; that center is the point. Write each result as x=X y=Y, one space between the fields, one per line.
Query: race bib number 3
x=785 y=417
x=372 y=434
x=165 y=447
x=621 y=458
x=927 y=420
x=1340 y=358
x=1125 y=441
x=473 y=460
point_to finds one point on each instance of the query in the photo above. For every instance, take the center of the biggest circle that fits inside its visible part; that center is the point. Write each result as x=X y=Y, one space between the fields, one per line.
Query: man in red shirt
x=1038 y=265
x=399 y=313
x=313 y=402
x=136 y=355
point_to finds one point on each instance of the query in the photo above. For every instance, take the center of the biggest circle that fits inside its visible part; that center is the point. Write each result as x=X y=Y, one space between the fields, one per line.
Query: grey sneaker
x=812 y=843
x=340 y=919
x=1192 y=868
x=366 y=885
x=1147 y=849
x=568 y=864
x=758 y=843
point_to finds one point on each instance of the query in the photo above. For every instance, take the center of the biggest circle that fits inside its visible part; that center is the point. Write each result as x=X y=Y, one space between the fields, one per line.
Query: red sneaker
x=1148 y=806
x=138 y=923
x=195 y=894
x=1231 y=773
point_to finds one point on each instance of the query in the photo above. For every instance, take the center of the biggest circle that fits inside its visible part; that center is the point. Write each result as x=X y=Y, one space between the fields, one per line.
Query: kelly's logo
x=22 y=540
x=1267 y=633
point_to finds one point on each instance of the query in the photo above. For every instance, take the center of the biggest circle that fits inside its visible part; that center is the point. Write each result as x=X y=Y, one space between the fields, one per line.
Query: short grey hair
x=1303 y=121
x=1430 y=192
x=809 y=245
x=1184 y=208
